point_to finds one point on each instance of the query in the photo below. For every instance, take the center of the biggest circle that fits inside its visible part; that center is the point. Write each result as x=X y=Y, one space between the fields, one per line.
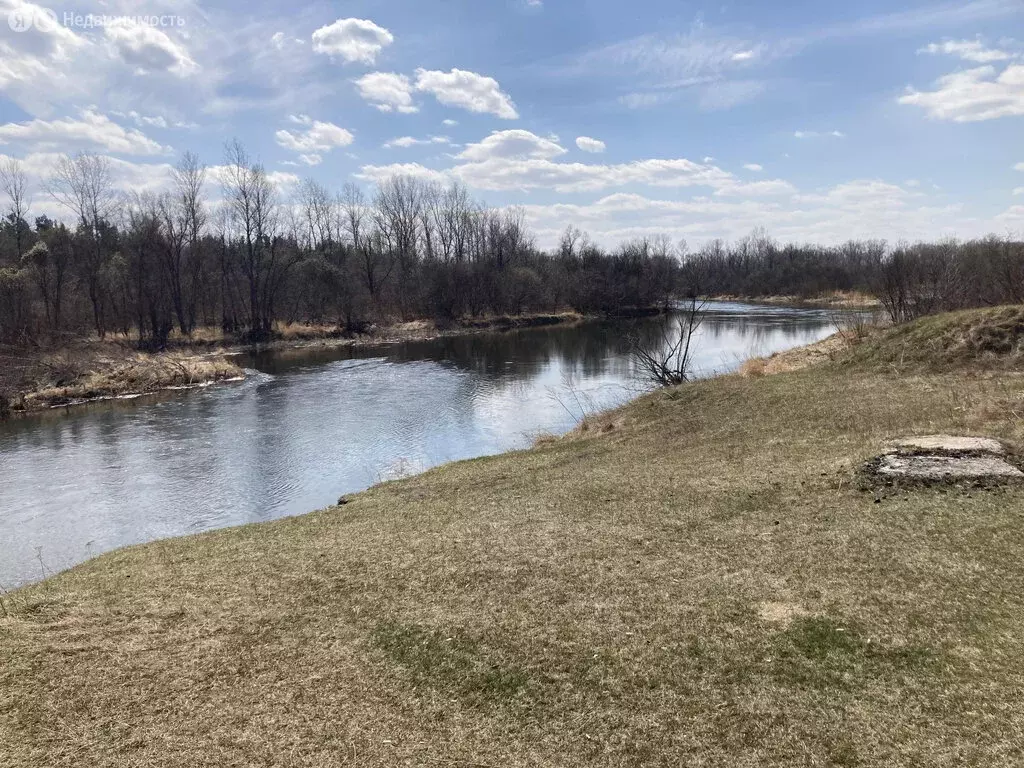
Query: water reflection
x=309 y=425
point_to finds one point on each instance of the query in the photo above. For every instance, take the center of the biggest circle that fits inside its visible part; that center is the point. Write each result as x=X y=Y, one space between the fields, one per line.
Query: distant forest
x=149 y=265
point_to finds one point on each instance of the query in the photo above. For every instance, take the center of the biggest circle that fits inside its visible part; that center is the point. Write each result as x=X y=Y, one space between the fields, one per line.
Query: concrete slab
x=947 y=467
x=949 y=444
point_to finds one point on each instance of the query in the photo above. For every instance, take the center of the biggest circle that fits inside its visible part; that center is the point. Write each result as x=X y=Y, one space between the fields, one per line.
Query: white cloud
x=410 y=141
x=698 y=53
x=149 y=49
x=973 y=95
x=281 y=41
x=155 y=121
x=969 y=50
x=354 y=40
x=379 y=173
x=528 y=174
x=314 y=138
x=588 y=144
x=818 y=134
x=856 y=209
x=90 y=131
x=767 y=188
x=1018 y=190
x=520 y=160
x=468 y=90
x=1019 y=167
x=282 y=179
x=45 y=63
x=753 y=167
x=1012 y=218
x=515 y=144
x=449 y=122
x=216 y=175
x=709 y=159
x=387 y=91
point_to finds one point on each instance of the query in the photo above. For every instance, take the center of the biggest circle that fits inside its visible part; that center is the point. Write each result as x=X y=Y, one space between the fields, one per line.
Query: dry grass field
x=697 y=579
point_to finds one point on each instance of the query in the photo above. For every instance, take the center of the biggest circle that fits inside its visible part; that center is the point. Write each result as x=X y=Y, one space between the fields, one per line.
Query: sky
x=816 y=121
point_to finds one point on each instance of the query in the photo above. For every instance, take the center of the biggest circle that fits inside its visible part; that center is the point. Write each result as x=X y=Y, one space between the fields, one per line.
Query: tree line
x=910 y=279
x=148 y=265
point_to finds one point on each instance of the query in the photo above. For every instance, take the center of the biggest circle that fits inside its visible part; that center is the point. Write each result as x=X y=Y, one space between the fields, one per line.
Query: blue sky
x=817 y=121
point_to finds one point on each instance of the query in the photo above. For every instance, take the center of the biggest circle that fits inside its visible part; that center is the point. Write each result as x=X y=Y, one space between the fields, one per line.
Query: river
x=309 y=425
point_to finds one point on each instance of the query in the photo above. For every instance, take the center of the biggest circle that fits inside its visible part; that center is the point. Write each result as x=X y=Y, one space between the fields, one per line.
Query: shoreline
x=207 y=356
x=847 y=300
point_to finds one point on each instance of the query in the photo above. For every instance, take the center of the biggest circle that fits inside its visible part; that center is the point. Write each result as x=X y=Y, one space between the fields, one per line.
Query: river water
x=308 y=425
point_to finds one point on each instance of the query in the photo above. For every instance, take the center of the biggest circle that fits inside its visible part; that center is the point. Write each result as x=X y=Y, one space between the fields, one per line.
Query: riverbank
x=88 y=372
x=701 y=579
x=296 y=334
x=839 y=300
x=93 y=370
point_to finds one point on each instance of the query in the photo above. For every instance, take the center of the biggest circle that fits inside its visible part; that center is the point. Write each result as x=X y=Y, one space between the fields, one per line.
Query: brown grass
x=109 y=370
x=991 y=338
x=702 y=585
x=832 y=299
x=795 y=359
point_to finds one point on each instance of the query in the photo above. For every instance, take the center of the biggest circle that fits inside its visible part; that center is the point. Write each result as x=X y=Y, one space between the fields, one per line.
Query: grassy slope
x=700 y=584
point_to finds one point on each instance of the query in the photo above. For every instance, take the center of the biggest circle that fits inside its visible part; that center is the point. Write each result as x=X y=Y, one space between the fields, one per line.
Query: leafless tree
x=398 y=208
x=667 y=358
x=353 y=212
x=318 y=217
x=183 y=217
x=252 y=199
x=84 y=185
x=14 y=184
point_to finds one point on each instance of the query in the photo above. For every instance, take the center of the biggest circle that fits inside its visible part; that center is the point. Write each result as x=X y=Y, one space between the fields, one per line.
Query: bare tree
x=84 y=185
x=252 y=199
x=667 y=358
x=398 y=206
x=318 y=220
x=374 y=262
x=14 y=184
x=183 y=217
x=352 y=212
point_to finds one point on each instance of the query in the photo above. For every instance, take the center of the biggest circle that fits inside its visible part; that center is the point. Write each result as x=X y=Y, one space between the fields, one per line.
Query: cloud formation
x=969 y=50
x=352 y=40
x=588 y=144
x=411 y=141
x=519 y=160
x=973 y=95
x=313 y=138
x=149 y=49
x=467 y=90
x=90 y=131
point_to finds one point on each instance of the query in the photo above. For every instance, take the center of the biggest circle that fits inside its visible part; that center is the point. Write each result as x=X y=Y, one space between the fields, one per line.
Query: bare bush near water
x=667 y=358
